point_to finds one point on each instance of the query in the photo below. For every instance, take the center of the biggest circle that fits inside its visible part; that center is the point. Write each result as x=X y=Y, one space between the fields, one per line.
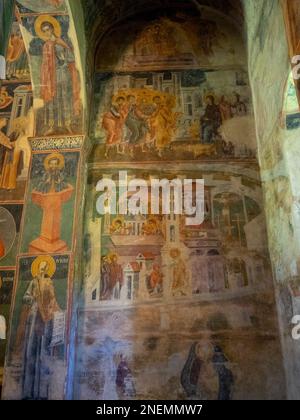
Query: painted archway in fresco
x=160 y=298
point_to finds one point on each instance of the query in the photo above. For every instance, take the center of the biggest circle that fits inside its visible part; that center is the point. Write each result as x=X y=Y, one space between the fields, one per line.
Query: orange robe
x=8 y=178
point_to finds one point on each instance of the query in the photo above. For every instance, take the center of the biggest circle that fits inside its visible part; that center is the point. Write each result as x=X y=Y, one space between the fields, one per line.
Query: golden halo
x=117 y=221
x=49 y=19
x=174 y=252
x=55 y=155
x=210 y=95
x=153 y=220
x=111 y=255
x=36 y=263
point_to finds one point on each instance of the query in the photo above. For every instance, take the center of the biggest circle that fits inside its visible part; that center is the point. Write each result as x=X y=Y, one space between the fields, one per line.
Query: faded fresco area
x=176 y=303
x=170 y=311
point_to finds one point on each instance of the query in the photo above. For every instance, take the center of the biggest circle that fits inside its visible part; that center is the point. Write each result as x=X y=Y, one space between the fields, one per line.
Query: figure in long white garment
x=35 y=329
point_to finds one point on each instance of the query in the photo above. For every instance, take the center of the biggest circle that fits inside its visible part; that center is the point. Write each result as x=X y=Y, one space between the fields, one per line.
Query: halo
x=50 y=19
x=117 y=220
x=210 y=95
x=49 y=260
x=152 y=219
x=174 y=252
x=111 y=255
x=55 y=155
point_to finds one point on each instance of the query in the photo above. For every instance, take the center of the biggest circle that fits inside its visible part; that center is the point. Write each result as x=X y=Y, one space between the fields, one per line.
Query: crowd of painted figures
x=152 y=124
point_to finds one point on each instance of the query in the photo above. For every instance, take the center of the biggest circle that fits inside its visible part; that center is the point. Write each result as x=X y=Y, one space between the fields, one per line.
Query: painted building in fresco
x=140 y=306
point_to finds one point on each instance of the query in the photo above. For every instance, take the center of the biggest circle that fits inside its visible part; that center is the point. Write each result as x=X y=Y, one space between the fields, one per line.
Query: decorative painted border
x=60 y=143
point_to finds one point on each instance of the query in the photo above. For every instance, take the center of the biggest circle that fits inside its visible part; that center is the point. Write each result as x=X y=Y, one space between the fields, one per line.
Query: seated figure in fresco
x=53 y=177
x=210 y=121
x=35 y=328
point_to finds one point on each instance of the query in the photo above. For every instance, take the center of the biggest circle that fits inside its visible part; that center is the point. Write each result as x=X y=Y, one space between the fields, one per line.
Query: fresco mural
x=41 y=6
x=48 y=226
x=36 y=363
x=10 y=221
x=151 y=282
x=53 y=65
x=174 y=306
x=17 y=66
x=167 y=311
x=6 y=290
x=16 y=127
x=160 y=101
x=188 y=114
x=171 y=42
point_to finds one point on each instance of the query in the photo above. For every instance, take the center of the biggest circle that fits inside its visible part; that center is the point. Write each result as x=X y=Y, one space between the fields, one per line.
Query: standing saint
x=34 y=334
x=11 y=160
x=60 y=87
x=210 y=121
x=113 y=123
x=116 y=277
x=180 y=274
x=162 y=123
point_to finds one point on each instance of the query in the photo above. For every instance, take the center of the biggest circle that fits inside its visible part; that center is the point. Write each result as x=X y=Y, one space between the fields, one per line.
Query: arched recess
x=152 y=286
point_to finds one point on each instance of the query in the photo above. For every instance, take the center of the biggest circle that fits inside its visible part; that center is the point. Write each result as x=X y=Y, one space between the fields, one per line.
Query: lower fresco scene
x=171 y=311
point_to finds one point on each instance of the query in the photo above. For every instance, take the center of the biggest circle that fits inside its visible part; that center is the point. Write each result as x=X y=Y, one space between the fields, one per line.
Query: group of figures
x=206 y=374
x=16 y=151
x=136 y=118
x=152 y=121
x=116 y=285
x=216 y=114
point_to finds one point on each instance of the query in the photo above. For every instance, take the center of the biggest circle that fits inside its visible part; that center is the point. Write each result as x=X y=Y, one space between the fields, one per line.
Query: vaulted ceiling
x=100 y=15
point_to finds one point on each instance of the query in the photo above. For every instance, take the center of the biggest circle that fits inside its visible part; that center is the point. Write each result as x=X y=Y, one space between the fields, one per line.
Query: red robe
x=48 y=75
x=2 y=249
